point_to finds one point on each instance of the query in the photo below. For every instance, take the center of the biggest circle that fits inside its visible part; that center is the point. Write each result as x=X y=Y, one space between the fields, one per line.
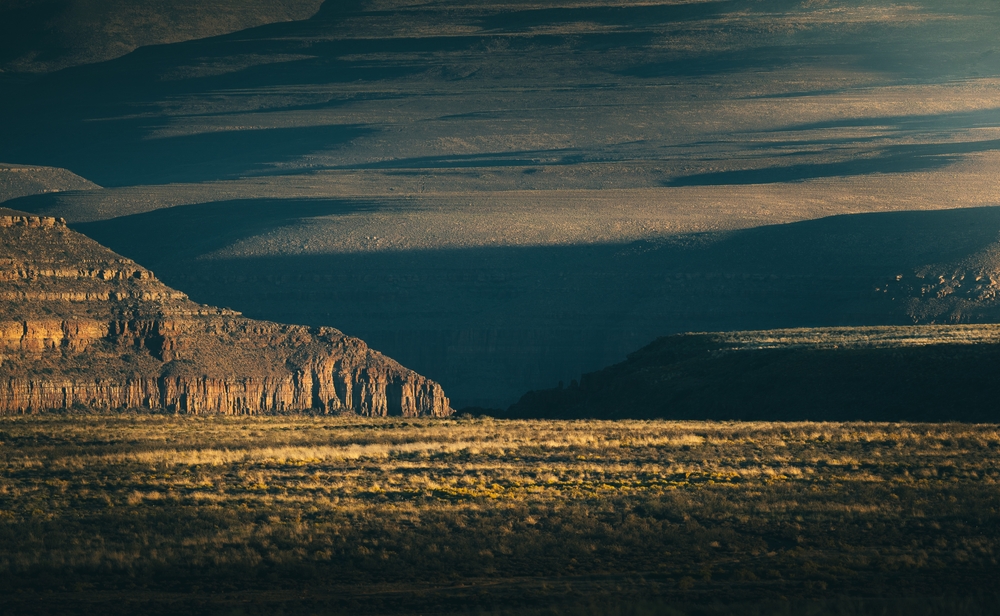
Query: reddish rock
x=82 y=325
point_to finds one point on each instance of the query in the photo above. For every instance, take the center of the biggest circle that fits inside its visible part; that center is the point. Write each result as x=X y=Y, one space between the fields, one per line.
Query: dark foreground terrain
x=127 y=514
x=915 y=373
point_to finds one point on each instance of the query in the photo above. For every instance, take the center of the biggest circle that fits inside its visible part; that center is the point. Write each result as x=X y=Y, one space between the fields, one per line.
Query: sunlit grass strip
x=704 y=505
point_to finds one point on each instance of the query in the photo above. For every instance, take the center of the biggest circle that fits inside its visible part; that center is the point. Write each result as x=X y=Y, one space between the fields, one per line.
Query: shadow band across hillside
x=895 y=159
x=171 y=235
x=621 y=16
x=492 y=323
x=107 y=121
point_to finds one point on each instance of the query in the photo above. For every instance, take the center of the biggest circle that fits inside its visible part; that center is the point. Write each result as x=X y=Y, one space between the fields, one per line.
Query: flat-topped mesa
x=80 y=325
x=919 y=373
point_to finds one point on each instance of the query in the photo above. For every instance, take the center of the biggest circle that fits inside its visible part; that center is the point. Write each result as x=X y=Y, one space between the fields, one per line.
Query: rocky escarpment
x=80 y=325
x=956 y=291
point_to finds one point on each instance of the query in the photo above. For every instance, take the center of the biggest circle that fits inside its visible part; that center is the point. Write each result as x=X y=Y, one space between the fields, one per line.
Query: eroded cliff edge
x=80 y=325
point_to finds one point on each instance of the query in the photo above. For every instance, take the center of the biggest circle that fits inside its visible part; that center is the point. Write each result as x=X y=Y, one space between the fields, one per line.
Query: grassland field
x=134 y=513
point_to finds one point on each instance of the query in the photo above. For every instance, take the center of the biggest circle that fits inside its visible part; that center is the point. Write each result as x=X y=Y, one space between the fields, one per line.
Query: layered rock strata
x=80 y=325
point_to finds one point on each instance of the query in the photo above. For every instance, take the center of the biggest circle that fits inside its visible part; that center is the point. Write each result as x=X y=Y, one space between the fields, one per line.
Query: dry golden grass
x=350 y=513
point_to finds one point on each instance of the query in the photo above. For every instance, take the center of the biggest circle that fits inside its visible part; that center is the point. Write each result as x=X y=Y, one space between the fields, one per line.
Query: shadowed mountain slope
x=492 y=322
x=84 y=326
x=678 y=93
x=504 y=195
x=919 y=373
x=46 y=35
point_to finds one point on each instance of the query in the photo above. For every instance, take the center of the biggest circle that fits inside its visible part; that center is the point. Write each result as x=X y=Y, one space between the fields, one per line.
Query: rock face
x=80 y=325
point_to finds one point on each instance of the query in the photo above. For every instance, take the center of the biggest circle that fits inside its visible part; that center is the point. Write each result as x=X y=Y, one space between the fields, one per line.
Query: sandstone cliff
x=80 y=325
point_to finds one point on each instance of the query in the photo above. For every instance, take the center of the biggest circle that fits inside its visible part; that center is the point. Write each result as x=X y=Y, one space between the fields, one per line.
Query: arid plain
x=164 y=514
x=500 y=196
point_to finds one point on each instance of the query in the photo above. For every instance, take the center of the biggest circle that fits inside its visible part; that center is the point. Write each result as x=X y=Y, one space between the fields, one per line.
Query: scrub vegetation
x=307 y=514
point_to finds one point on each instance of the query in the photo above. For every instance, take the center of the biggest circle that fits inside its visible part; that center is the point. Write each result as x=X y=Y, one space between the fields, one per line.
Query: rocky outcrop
x=83 y=326
x=38 y=336
x=334 y=387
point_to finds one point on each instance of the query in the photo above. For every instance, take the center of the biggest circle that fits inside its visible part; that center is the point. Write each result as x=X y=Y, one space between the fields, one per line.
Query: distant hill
x=23 y=180
x=47 y=35
x=82 y=326
x=918 y=373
